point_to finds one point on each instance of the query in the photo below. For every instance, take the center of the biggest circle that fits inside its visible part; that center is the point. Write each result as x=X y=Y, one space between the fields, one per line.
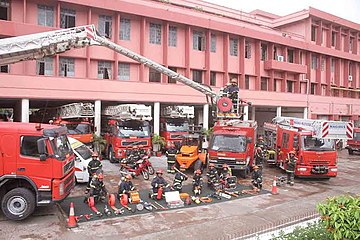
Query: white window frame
x=155 y=33
x=104 y=66
x=45 y=15
x=124 y=71
x=247 y=49
x=105 y=26
x=125 y=29
x=48 y=63
x=213 y=42
x=234 y=46
x=65 y=16
x=172 y=36
x=66 y=67
x=199 y=38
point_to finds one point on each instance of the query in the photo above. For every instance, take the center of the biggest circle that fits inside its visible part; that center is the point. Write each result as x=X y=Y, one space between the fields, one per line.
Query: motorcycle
x=135 y=169
x=133 y=157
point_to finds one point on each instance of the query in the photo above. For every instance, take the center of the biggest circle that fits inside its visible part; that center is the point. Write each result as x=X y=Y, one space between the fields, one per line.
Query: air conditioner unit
x=350 y=78
x=280 y=58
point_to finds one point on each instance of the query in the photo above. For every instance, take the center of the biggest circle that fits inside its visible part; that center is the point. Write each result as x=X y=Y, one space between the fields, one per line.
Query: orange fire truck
x=313 y=141
x=127 y=126
x=174 y=123
x=36 y=167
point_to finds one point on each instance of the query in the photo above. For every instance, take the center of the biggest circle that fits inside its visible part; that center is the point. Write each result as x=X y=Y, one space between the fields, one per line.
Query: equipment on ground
x=91 y=203
x=173 y=199
x=111 y=202
x=135 y=197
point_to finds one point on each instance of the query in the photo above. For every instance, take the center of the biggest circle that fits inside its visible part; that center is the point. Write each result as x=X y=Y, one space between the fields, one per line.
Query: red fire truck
x=36 y=167
x=353 y=145
x=127 y=126
x=174 y=123
x=313 y=141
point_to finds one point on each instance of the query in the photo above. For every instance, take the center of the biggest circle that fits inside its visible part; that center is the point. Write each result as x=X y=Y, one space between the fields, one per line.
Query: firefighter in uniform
x=225 y=172
x=158 y=182
x=261 y=143
x=290 y=167
x=171 y=158
x=125 y=186
x=212 y=175
x=97 y=187
x=93 y=166
x=178 y=181
x=256 y=178
x=197 y=182
x=259 y=157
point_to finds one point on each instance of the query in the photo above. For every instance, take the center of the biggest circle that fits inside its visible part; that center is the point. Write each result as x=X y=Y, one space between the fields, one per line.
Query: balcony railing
x=285 y=66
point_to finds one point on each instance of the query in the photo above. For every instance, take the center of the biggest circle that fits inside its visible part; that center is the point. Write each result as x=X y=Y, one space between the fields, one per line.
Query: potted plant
x=99 y=144
x=157 y=142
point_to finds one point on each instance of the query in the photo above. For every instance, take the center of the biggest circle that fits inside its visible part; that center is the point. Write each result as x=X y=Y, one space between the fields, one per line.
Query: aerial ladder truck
x=228 y=112
x=312 y=140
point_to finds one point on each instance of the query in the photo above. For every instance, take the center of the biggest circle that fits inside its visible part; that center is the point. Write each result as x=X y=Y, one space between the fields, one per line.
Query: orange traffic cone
x=274 y=187
x=72 y=221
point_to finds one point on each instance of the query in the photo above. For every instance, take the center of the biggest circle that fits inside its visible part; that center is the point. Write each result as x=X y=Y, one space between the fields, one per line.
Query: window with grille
x=4 y=68
x=104 y=70
x=155 y=33
x=154 y=76
x=213 y=43
x=290 y=86
x=45 y=15
x=172 y=36
x=332 y=68
x=67 y=18
x=197 y=76
x=264 y=84
x=247 y=49
x=233 y=47
x=351 y=44
x=4 y=10
x=314 y=63
x=125 y=29
x=67 y=67
x=45 y=66
x=198 y=41
x=212 y=78
x=124 y=71
x=274 y=86
x=290 y=55
x=170 y=79
x=105 y=26
x=247 y=82
x=333 y=38
x=313 y=33
x=263 y=52
x=323 y=64
x=313 y=88
x=350 y=69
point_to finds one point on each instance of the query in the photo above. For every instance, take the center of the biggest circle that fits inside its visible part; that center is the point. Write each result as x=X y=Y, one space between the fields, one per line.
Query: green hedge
x=314 y=231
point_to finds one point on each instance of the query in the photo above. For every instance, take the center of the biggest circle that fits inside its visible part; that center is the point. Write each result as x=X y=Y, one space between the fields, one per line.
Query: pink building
x=305 y=64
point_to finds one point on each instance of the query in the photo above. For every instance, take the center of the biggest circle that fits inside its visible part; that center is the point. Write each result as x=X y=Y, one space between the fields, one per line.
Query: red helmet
x=94 y=154
x=159 y=171
x=211 y=165
x=128 y=177
x=198 y=171
x=100 y=176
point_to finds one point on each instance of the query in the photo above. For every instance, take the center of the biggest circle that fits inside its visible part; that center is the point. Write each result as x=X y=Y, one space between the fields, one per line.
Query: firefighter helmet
x=198 y=171
x=159 y=171
x=95 y=154
x=292 y=152
x=128 y=177
x=100 y=176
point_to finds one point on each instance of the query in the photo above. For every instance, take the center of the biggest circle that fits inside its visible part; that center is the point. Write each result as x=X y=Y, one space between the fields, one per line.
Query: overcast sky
x=348 y=9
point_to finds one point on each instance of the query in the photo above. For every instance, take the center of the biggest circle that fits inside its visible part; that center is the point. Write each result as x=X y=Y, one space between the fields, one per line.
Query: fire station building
x=305 y=64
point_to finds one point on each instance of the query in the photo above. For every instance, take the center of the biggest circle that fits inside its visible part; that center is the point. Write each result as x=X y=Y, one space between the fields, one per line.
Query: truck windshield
x=78 y=128
x=310 y=143
x=83 y=151
x=177 y=127
x=228 y=143
x=134 y=129
x=356 y=136
x=61 y=147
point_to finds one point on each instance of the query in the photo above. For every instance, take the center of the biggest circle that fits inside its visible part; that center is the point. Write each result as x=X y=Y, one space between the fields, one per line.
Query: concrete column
x=246 y=113
x=206 y=116
x=253 y=109
x=278 y=111
x=97 y=119
x=25 y=107
x=305 y=113
x=157 y=118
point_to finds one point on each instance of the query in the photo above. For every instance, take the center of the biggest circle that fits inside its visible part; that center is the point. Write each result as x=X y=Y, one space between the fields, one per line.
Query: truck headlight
x=301 y=169
x=333 y=169
x=61 y=189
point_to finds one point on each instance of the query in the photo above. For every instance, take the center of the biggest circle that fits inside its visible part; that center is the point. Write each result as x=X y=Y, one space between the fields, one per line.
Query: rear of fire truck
x=127 y=127
x=353 y=145
x=37 y=167
x=174 y=124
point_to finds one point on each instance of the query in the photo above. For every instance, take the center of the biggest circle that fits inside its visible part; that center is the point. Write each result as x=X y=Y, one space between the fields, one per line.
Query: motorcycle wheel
x=151 y=170
x=145 y=174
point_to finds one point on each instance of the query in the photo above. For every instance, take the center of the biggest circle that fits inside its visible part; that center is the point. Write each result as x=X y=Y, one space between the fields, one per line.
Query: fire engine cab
x=127 y=126
x=313 y=141
x=174 y=123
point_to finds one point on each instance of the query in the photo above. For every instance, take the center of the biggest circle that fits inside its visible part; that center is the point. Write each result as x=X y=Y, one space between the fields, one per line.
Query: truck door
x=8 y=147
x=29 y=163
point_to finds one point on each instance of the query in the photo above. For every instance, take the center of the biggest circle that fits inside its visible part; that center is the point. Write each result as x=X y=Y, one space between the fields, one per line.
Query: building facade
x=305 y=64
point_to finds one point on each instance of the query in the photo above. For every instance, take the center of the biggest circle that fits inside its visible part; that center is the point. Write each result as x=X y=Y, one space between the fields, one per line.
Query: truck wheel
x=350 y=151
x=245 y=173
x=197 y=165
x=18 y=204
x=111 y=155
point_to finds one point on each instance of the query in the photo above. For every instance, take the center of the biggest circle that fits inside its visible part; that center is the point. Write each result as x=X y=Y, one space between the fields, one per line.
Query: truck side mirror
x=41 y=144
